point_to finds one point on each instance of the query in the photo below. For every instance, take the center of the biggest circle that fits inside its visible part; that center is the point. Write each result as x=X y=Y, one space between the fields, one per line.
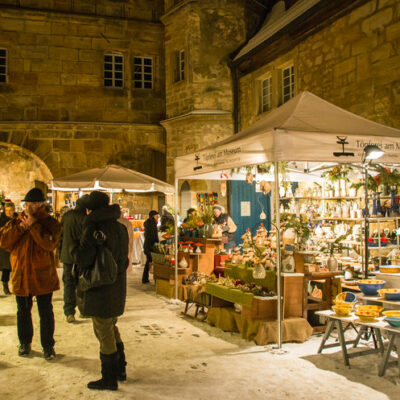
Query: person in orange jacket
x=31 y=240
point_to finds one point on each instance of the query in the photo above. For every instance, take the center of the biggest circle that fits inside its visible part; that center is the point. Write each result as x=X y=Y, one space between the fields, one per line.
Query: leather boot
x=5 y=289
x=121 y=374
x=109 y=368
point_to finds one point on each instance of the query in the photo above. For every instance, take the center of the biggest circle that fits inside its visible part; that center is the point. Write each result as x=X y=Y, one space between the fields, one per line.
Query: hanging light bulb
x=263 y=215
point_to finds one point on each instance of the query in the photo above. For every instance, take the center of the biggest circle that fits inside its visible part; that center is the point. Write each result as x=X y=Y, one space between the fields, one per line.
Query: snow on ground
x=174 y=357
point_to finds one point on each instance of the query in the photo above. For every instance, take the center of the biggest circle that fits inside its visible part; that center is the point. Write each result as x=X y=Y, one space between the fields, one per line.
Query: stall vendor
x=227 y=225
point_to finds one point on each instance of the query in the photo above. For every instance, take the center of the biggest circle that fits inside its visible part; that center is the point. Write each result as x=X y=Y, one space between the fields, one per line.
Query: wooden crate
x=164 y=288
x=167 y=272
x=292 y=296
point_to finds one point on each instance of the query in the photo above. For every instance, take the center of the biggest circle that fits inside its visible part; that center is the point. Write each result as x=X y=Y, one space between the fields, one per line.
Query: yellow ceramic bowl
x=366 y=316
x=382 y=292
x=371 y=281
x=387 y=269
x=342 y=311
x=391 y=313
x=370 y=308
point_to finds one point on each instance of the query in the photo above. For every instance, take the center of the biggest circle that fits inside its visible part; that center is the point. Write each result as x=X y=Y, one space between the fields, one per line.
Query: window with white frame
x=143 y=72
x=180 y=66
x=114 y=70
x=3 y=65
x=266 y=95
x=287 y=83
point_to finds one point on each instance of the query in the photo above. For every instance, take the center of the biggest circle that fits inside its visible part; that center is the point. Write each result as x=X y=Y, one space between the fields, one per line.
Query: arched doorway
x=21 y=170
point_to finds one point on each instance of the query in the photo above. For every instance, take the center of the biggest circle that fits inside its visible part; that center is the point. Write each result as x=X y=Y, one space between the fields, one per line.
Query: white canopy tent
x=112 y=178
x=306 y=128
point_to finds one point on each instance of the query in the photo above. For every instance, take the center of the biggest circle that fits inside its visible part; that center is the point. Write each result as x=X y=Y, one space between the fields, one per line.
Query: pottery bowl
x=389 y=269
x=366 y=316
x=390 y=294
x=345 y=297
x=370 y=287
x=393 y=321
x=342 y=311
x=370 y=308
x=391 y=313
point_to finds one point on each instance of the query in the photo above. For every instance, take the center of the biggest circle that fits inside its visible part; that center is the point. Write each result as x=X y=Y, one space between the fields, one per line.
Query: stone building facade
x=55 y=101
x=353 y=61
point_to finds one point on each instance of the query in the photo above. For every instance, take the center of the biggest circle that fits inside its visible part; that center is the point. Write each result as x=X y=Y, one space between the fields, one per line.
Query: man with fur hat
x=72 y=222
x=31 y=240
x=104 y=304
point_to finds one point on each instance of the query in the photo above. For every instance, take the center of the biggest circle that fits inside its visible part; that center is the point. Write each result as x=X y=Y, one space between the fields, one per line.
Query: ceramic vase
x=379 y=211
x=198 y=250
x=183 y=263
x=259 y=272
x=332 y=263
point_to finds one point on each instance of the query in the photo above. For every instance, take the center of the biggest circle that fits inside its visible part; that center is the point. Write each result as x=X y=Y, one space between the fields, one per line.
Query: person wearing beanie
x=5 y=267
x=31 y=240
x=150 y=238
x=227 y=225
x=72 y=222
x=106 y=303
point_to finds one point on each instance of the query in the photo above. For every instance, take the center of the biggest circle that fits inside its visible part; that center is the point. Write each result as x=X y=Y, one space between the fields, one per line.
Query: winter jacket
x=150 y=234
x=33 y=266
x=4 y=255
x=72 y=222
x=167 y=220
x=228 y=226
x=105 y=301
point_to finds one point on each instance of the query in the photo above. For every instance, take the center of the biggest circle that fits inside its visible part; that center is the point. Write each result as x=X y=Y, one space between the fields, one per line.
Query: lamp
x=370 y=152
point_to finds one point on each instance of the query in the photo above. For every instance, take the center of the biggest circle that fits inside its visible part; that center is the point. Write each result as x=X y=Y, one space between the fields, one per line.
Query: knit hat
x=219 y=207
x=35 y=195
x=97 y=200
x=152 y=213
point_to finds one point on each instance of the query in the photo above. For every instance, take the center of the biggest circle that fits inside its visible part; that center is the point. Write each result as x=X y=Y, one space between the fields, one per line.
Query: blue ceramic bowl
x=393 y=321
x=392 y=296
x=370 y=287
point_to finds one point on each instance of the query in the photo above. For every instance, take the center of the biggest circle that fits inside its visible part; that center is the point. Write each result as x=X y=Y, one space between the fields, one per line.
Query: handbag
x=105 y=269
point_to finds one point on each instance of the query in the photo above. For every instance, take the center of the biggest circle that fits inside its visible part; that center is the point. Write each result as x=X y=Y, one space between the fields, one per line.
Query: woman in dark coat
x=5 y=267
x=104 y=304
x=150 y=238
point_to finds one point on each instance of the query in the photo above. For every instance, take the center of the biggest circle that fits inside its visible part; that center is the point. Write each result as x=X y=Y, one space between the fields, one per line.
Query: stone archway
x=21 y=170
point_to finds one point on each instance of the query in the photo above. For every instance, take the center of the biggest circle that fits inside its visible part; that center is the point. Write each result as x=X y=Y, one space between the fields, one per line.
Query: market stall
x=117 y=181
x=308 y=134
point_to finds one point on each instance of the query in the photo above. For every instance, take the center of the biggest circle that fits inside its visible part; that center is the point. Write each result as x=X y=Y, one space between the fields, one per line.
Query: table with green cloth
x=229 y=294
x=240 y=272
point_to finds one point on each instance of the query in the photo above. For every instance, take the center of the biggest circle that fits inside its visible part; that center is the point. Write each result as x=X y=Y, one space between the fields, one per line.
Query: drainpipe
x=235 y=95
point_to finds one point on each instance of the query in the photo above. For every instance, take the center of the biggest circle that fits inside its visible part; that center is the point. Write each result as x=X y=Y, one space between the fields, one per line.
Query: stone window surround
x=181 y=65
x=113 y=70
x=143 y=72
x=265 y=94
x=3 y=65
x=291 y=84
x=276 y=74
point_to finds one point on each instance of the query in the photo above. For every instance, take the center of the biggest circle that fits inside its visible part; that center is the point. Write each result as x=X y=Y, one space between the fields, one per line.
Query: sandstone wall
x=353 y=63
x=56 y=67
x=148 y=10
x=72 y=147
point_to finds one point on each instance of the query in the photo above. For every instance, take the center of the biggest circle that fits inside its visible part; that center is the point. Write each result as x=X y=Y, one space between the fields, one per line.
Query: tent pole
x=176 y=237
x=278 y=253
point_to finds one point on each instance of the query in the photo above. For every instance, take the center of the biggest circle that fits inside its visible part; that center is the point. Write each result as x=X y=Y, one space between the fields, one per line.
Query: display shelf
x=322 y=198
x=380 y=300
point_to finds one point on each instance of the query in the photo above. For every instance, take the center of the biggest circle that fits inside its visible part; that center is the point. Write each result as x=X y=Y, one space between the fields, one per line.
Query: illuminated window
x=287 y=83
x=143 y=72
x=114 y=70
x=3 y=65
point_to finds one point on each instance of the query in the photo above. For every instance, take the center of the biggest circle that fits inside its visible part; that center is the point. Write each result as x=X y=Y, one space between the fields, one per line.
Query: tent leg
x=278 y=253
x=176 y=238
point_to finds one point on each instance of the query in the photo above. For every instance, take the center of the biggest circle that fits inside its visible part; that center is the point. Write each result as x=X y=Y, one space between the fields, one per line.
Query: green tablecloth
x=232 y=295
x=246 y=274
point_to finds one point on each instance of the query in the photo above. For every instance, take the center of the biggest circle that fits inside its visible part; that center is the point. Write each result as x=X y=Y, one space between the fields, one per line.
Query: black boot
x=109 y=368
x=121 y=375
x=5 y=289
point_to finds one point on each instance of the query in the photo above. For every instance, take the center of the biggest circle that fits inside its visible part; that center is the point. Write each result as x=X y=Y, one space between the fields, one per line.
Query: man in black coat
x=72 y=222
x=104 y=304
x=150 y=238
x=5 y=267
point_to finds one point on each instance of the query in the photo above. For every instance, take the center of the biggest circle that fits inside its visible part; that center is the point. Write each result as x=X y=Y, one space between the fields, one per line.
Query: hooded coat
x=105 y=301
x=4 y=255
x=33 y=266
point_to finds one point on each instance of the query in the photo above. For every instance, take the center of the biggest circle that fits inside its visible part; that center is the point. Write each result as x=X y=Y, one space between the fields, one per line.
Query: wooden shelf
x=321 y=198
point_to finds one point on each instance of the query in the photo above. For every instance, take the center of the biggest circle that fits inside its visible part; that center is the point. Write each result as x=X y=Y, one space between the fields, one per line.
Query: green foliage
x=387 y=177
x=339 y=172
x=299 y=224
x=207 y=216
x=335 y=245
